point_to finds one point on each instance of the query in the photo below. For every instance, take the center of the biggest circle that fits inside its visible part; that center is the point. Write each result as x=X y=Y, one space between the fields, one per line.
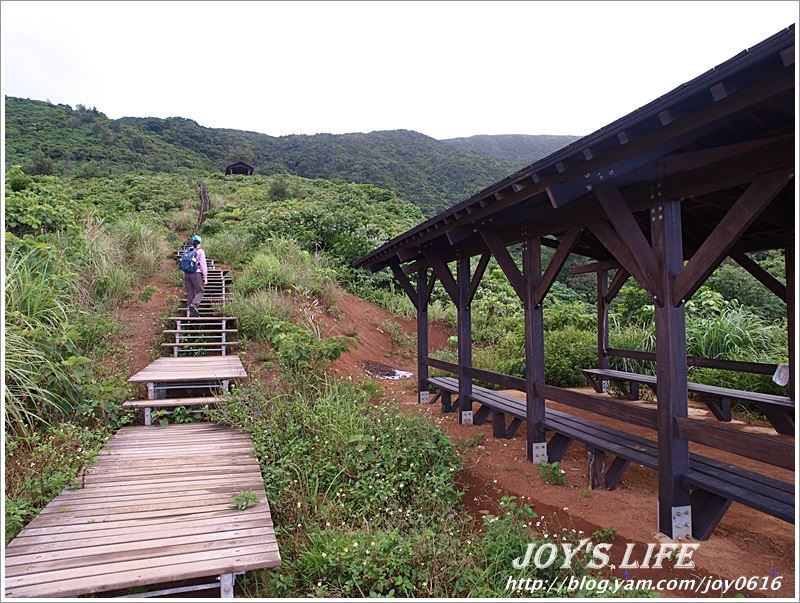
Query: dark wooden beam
x=457 y=235
x=506 y=262
x=407 y=253
x=414 y=268
x=602 y=319
x=628 y=230
x=736 y=171
x=744 y=212
x=536 y=448
x=405 y=284
x=790 y=324
x=609 y=239
x=601 y=405
x=479 y=272
x=444 y=275
x=757 y=447
x=423 y=297
x=556 y=264
x=594 y=267
x=671 y=369
x=620 y=278
x=429 y=288
x=760 y=274
x=740 y=366
x=464 y=342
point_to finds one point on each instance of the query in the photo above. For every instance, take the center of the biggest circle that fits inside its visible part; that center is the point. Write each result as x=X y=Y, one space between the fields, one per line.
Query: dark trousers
x=194 y=288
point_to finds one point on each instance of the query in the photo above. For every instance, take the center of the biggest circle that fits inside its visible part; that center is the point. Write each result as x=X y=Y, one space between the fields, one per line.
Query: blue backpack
x=189 y=262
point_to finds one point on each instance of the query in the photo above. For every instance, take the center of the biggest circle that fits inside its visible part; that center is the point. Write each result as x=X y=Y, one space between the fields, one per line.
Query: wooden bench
x=713 y=485
x=779 y=410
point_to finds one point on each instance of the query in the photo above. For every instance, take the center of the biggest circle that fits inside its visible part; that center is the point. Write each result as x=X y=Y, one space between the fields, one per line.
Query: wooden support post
x=464 y=342
x=226 y=586
x=602 y=325
x=596 y=470
x=422 y=335
x=536 y=446
x=674 y=512
x=790 y=325
x=558 y=446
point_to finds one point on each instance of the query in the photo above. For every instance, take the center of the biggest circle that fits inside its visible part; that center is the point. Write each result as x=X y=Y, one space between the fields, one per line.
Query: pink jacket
x=201 y=263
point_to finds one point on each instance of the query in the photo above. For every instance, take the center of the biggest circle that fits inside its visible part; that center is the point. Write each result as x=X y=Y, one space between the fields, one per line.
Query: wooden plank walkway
x=191 y=368
x=156 y=507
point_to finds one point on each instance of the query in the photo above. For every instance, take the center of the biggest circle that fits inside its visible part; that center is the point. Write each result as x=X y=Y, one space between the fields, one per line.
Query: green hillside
x=55 y=139
x=520 y=149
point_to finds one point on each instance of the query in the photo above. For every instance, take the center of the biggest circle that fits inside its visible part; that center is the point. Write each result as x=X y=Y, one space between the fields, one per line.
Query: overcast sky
x=445 y=69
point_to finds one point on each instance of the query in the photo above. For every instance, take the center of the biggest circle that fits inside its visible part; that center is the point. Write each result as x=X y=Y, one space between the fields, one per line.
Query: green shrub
x=552 y=474
x=282 y=264
x=40 y=465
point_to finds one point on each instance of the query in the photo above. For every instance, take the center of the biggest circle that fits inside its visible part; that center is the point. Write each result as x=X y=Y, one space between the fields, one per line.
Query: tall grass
x=229 y=246
x=144 y=243
x=38 y=338
x=282 y=264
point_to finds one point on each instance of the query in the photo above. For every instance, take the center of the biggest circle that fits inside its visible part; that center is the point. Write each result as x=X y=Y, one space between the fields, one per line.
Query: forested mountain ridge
x=56 y=139
x=521 y=149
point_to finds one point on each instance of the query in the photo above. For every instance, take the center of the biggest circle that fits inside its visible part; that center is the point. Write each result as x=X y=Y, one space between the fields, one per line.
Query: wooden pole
x=790 y=324
x=536 y=449
x=674 y=512
x=464 y=342
x=422 y=335
x=602 y=322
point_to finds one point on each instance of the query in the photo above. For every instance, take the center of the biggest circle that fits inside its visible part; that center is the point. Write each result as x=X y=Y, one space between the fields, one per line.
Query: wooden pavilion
x=240 y=167
x=663 y=196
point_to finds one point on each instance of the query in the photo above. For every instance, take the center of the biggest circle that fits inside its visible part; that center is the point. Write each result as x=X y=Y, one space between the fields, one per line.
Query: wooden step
x=197 y=344
x=193 y=331
x=216 y=318
x=172 y=402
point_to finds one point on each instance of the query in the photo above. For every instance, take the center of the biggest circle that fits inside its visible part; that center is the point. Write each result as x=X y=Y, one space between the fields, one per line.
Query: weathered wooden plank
x=58 y=582
x=199 y=529
x=148 y=503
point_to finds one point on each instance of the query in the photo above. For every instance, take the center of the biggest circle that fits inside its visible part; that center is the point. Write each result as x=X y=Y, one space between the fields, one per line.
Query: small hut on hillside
x=240 y=167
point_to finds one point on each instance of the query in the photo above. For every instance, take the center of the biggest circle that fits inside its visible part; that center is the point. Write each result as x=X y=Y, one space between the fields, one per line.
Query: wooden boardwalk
x=156 y=507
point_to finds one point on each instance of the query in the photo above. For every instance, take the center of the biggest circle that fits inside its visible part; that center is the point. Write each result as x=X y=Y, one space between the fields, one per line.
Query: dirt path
x=143 y=319
x=746 y=543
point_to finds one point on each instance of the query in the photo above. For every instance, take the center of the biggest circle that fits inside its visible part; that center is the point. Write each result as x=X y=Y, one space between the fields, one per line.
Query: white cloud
x=445 y=69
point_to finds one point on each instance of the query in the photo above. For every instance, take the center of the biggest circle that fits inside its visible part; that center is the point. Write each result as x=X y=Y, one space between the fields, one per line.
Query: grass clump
x=552 y=474
x=282 y=264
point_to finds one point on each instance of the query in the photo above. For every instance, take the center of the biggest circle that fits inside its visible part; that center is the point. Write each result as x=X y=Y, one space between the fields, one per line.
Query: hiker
x=195 y=274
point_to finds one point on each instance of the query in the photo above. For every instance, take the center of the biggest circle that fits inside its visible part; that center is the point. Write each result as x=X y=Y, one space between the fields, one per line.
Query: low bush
x=40 y=465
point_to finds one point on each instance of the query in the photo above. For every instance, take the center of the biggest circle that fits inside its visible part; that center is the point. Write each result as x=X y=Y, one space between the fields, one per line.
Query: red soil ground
x=746 y=543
